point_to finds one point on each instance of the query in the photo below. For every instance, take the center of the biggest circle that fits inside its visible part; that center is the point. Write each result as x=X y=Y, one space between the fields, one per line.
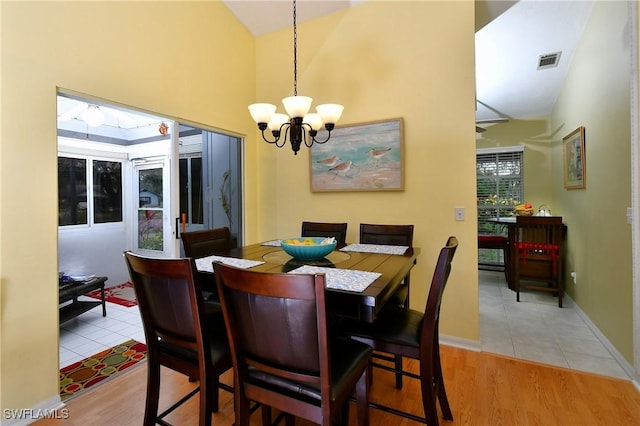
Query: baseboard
x=53 y=408
x=634 y=375
x=458 y=342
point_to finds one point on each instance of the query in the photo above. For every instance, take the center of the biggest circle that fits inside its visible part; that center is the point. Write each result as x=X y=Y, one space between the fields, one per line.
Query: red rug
x=81 y=375
x=122 y=294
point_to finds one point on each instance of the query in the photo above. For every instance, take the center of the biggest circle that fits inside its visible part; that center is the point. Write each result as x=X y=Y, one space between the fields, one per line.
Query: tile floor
x=534 y=329
x=91 y=333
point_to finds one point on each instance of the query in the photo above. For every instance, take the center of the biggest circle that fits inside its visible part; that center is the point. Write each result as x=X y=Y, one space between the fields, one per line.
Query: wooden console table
x=72 y=289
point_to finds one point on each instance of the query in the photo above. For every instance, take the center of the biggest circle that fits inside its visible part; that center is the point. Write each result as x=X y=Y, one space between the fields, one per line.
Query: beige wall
x=194 y=61
x=533 y=135
x=166 y=57
x=596 y=96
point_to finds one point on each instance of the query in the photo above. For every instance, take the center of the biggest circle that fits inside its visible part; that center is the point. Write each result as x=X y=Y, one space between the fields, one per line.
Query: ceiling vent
x=549 y=60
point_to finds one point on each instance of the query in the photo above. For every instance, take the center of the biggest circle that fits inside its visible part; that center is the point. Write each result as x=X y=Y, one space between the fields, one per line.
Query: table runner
x=274 y=243
x=375 y=248
x=341 y=279
x=205 y=264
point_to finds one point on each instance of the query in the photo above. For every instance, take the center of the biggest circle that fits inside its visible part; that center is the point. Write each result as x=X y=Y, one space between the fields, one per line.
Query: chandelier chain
x=295 y=52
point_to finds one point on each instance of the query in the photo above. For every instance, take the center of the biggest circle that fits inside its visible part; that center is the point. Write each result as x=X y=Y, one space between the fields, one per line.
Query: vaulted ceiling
x=511 y=36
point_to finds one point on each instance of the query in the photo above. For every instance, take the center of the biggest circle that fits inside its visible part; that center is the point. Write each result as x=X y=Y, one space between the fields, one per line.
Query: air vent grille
x=549 y=60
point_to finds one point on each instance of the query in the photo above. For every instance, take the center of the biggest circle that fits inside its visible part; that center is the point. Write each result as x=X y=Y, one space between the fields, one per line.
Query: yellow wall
x=193 y=60
x=383 y=60
x=596 y=95
x=166 y=57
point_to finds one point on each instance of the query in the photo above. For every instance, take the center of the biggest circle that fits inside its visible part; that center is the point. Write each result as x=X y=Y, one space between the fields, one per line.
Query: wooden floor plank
x=483 y=389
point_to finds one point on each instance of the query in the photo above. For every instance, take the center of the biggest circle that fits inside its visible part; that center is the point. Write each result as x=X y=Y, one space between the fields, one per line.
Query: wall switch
x=574 y=276
x=459 y=213
x=629 y=215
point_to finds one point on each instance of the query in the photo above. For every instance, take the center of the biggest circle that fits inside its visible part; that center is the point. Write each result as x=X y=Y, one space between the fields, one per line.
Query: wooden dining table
x=363 y=305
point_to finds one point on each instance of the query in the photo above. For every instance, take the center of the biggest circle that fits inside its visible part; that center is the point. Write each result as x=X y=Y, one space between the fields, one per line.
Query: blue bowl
x=314 y=251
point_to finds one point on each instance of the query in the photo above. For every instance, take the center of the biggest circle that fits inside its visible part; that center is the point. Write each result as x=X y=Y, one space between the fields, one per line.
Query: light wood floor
x=483 y=389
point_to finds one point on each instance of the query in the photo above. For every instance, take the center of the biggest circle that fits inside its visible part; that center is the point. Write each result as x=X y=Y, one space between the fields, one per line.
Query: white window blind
x=499 y=185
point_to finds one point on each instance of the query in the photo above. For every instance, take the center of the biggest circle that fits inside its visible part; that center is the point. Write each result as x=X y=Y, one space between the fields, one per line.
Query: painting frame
x=358 y=157
x=574 y=160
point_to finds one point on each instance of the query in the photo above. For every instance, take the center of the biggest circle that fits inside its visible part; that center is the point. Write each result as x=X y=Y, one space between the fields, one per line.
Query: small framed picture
x=574 y=160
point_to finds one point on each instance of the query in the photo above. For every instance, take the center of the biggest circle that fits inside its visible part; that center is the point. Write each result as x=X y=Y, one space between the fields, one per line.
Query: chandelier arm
x=275 y=141
x=286 y=127
x=324 y=141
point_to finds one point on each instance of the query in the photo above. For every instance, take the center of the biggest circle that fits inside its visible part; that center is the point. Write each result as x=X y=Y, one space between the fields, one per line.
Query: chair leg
x=153 y=392
x=265 y=410
x=207 y=402
x=362 y=398
x=398 y=367
x=440 y=388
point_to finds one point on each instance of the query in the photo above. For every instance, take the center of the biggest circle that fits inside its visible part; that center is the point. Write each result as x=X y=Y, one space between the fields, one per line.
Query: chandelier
x=298 y=124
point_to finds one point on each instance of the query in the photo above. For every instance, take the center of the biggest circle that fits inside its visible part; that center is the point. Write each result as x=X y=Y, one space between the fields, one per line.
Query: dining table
x=360 y=278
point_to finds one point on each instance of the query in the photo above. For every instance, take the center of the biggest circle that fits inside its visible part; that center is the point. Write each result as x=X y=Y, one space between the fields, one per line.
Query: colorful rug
x=81 y=375
x=122 y=294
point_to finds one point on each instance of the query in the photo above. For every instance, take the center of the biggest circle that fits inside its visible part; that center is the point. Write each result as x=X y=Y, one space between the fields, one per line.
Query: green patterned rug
x=81 y=375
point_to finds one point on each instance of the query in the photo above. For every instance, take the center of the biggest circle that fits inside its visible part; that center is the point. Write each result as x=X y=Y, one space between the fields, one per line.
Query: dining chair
x=283 y=353
x=181 y=334
x=326 y=229
x=538 y=255
x=206 y=242
x=496 y=242
x=414 y=334
x=395 y=235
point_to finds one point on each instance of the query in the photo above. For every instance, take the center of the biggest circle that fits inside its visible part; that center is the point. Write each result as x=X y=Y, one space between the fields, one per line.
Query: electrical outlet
x=459 y=213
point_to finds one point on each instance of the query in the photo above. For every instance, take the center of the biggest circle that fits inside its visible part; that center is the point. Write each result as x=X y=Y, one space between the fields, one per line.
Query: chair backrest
x=276 y=323
x=538 y=235
x=206 y=243
x=324 y=229
x=170 y=301
x=431 y=318
x=394 y=235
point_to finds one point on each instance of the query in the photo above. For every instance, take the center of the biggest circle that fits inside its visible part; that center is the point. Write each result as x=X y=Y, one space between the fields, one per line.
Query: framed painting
x=574 y=160
x=359 y=157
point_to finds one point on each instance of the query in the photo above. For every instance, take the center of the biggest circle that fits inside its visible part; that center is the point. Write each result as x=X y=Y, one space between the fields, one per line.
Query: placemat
x=205 y=264
x=341 y=279
x=375 y=248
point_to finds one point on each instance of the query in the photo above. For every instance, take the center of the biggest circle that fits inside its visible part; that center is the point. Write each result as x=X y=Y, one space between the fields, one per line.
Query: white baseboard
x=53 y=408
x=458 y=342
x=634 y=375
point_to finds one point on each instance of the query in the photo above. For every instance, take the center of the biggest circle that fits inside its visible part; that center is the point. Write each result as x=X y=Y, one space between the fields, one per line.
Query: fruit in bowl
x=308 y=248
x=525 y=209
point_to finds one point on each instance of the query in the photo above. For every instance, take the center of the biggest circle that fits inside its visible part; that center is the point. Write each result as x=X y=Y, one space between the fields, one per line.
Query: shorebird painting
x=377 y=154
x=341 y=169
x=329 y=162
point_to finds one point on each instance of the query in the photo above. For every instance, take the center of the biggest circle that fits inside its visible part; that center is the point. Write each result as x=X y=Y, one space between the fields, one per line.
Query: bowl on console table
x=308 y=248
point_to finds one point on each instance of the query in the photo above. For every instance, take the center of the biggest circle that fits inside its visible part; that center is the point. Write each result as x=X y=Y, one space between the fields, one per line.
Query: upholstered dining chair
x=326 y=229
x=394 y=235
x=538 y=255
x=206 y=242
x=283 y=353
x=414 y=334
x=180 y=333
